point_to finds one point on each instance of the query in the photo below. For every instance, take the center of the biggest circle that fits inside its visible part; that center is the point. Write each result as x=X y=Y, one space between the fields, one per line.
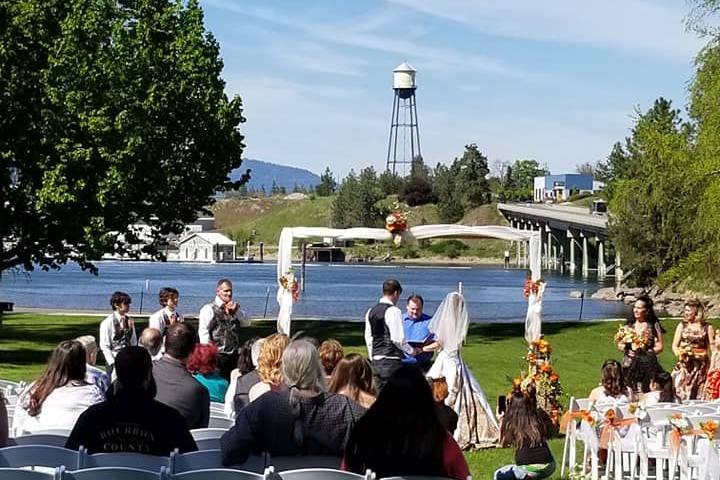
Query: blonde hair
x=270 y=358
x=88 y=341
x=331 y=352
x=699 y=309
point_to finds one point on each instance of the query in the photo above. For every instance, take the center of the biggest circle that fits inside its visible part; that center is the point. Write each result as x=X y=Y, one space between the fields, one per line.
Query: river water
x=338 y=291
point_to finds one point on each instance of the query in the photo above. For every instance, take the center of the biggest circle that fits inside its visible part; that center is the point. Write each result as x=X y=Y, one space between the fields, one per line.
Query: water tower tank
x=404 y=79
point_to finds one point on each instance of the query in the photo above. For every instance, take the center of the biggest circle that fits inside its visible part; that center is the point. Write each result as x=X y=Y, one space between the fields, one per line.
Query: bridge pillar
x=548 y=248
x=571 y=237
x=601 y=259
x=585 y=259
x=619 y=275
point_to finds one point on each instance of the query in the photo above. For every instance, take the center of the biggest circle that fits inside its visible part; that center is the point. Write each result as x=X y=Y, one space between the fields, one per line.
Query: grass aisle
x=494 y=352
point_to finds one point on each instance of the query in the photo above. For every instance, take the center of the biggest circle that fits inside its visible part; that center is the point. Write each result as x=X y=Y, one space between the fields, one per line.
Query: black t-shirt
x=447 y=416
x=527 y=455
x=131 y=421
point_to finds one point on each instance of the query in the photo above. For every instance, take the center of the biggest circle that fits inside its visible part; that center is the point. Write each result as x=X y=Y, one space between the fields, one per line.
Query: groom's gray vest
x=382 y=346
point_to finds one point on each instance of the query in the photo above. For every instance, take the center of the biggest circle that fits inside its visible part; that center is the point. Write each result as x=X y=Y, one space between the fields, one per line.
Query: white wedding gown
x=477 y=425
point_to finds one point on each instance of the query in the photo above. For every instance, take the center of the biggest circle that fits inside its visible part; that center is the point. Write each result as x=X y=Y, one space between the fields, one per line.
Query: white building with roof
x=206 y=247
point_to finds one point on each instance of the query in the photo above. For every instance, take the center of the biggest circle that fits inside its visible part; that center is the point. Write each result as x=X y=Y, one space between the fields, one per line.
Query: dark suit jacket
x=178 y=389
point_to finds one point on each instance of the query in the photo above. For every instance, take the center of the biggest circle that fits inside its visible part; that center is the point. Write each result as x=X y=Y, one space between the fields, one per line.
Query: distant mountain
x=262 y=174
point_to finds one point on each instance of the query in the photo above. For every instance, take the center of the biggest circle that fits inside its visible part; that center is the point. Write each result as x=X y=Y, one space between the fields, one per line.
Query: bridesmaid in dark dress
x=640 y=365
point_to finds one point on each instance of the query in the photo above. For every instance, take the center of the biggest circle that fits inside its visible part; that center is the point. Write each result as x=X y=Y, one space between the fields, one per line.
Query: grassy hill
x=262 y=219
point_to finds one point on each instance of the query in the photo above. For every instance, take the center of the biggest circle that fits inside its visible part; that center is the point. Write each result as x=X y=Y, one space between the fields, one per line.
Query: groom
x=384 y=334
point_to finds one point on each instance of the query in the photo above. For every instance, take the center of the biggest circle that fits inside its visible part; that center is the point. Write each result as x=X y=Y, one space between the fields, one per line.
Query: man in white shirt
x=384 y=334
x=168 y=314
x=219 y=324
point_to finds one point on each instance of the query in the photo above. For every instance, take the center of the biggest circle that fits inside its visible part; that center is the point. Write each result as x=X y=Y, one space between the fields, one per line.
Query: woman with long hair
x=523 y=428
x=612 y=387
x=401 y=434
x=352 y=377
x=640 y=362
x=692 y=344
x=59 y=396
x=269 y=365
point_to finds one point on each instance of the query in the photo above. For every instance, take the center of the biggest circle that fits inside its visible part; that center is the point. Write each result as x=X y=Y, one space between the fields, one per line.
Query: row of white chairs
x=212 y=474
x=698 y=458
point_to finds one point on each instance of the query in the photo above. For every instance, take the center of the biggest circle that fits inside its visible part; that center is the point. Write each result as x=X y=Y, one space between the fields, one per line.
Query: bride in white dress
x=477 y=425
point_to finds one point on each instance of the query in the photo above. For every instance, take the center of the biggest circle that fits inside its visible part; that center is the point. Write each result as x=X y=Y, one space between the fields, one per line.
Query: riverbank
x=494 y=352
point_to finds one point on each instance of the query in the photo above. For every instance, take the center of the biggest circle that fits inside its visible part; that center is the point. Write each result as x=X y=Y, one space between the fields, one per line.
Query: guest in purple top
x=415 y=325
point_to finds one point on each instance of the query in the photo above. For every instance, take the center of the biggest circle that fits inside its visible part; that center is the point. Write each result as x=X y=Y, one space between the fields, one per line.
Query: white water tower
x=404 y=141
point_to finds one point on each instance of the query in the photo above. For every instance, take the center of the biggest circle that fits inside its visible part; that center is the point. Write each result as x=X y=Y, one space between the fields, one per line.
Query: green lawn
x=494 y=352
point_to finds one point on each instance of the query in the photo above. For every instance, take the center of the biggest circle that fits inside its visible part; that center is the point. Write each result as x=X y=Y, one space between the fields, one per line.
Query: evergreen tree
x=327 y=184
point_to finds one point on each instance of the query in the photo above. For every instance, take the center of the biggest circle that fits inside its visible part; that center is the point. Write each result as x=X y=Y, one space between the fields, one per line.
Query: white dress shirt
x=393 y=320
x=107 y=332
x=157 y=319
x=206 y=315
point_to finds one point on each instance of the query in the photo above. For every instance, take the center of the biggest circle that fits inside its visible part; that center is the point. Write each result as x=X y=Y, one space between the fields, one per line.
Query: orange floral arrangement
x=396 y=221
x=543 y=377
x=532 y=287
x=289 y=282
x=710 y=428
x=626 y=335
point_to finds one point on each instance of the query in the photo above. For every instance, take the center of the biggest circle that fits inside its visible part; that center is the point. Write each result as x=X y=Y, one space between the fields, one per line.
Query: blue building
x=558 y=188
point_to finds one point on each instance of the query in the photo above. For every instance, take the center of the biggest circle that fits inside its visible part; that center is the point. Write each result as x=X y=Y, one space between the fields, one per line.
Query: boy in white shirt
x=168 y=314
x=117 y=331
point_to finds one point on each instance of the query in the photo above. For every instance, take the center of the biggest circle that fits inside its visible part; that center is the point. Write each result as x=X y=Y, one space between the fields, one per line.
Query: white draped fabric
x=410 y=236
x=533 y=321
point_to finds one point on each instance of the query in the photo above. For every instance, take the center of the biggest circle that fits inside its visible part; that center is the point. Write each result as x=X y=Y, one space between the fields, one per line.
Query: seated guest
x=353 y=378
x=175 y=386
x=131 y=421
x=612 y=389
x=152 y=340
x=301 y=420
x=59 y=396
x=247 y=376
x=4 y=427
x=269 y=362
x=203 y=366
x=662 y=390
x=391 y=440
x=416 y=325
x=446 y=414
x=524 y=429
x=331 y=351
x=93 y=374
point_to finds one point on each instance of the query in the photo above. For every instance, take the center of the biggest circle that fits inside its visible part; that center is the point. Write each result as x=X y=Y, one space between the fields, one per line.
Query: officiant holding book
x=417 y=334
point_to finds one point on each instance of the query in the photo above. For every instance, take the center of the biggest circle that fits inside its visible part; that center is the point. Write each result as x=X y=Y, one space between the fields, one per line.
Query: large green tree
x=356 y=202
x=112 y=113
x=654 y=194
x=327 y=184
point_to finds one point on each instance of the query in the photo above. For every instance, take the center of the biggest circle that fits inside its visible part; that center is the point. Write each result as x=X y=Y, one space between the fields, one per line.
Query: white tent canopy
x=409 y=236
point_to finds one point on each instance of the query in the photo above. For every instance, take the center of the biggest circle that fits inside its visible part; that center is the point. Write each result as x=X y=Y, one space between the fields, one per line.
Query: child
x=167 y=315
x=117 y=331
x=524 y=429
x=662 y=390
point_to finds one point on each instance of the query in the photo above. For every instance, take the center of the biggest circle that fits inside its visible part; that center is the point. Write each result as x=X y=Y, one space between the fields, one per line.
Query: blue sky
x=554 y=80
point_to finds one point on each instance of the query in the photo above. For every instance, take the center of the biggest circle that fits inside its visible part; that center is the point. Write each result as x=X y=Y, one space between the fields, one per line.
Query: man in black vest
x=384 y=335
x=219 y=323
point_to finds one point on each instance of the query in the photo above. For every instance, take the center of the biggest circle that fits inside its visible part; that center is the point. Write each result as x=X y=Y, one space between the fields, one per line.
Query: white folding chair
x=282 y=464
x=569 y=446
x=323 y=474
x=63 y=432
x=695 y=410
x=22 y=474
x=39 y=439
x=211 y=459
x=655 y=444
x=220 y=421
x=208 y=438
x=39 y=455
x=698 y=453
x=137 y=461
x=218 y=474
x=111 y=473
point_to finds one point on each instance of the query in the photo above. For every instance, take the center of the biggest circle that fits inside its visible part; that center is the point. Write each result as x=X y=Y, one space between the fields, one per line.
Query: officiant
x=417 y=334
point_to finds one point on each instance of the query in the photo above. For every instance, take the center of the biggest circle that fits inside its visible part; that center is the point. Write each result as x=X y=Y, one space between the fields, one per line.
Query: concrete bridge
x=573 y=238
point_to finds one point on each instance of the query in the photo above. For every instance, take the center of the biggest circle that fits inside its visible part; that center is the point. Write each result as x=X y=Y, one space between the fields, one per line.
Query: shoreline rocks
x=666 y=302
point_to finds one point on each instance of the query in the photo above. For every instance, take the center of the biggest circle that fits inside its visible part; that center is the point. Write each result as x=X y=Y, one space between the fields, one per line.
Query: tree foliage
x=417 y=189
x=390 y=183
x=463 y=185
x=327 y=184
x=113 y=113
x=517 y=184
x=355 y=204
